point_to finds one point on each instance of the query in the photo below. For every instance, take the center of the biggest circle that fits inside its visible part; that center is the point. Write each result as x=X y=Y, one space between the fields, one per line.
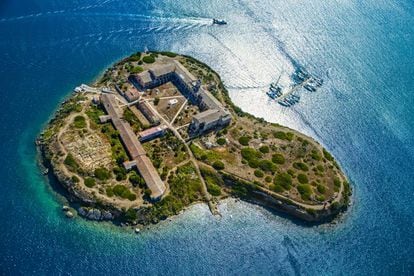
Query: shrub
x=264 y=149
x=267 y=166
x=148 y=59
x=327 y=155
x=250 y=153
x=109 y=192
x=320 y=168
x=221 y=141
x=218 y=165
x=254 y=163
x=70 y=162
x=75 y=179
x=278 y=158
x=131 y=196
x=130 y=215
x=258 y=173
x=79 y=122
x=102 y=174
x=305 y=191
x=302 y=178
x=244 y=140
x=135 y=57
x=136 y=180
x=321 y=189
x=121 y=191
x=268 y=179
x=90 y=182
x=316 y=156
x=213 y=189
x=337 y=182
x=284 y=180
x=136 y=69
x=156 y=101
x=168 y=54
x=283 y=135
x=277 y=188
x=301 y=166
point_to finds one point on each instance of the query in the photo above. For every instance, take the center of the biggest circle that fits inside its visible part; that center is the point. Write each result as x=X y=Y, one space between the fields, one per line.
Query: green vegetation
x=130 y=215
x=321 y=189
x=70 y=162
x=213 y=181
x=124 y=192
x=301 y=166
x=316 y=156
x=221 y=141
x=156 y=100
x=89 y=182
x=305 y=191
x=283 y=135
x=284 y=180
x=136 y=180
x=130 y=117
x=184 y=190
x=250 y=153
x=102 y=174
x=136 y=69
x=268 y=179
x=278 y=158
x=109 y=192
x=168 y=54
x=337 y=182
x=93 y=113
x=135 y=57
x=259 y=173
x=118 y=151
x=244 y=140
x=148 y=59
x=264 y=149
x=302 y=178
x=327 y=155
x=208 y=156
x=75 y=179
x=267 y=166
x=79 y=122
x=218 y=165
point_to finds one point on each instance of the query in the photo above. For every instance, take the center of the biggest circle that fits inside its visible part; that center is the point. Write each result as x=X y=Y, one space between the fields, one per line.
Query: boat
x=310 y=87
x=271 y=94
x=219 y=21
x=301 y=75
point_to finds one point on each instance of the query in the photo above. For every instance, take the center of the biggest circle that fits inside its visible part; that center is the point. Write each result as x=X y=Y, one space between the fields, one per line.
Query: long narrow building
x=135 y=150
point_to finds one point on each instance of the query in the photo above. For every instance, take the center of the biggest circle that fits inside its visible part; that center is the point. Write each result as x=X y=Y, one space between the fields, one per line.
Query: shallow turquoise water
x=363 y=114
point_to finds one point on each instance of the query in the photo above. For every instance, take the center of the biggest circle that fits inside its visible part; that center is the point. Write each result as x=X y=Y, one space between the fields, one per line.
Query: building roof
x=161 y=70
x=152 y=131
x=209 y=100
x=134 y=147
x=207 y=116
x=132 y=94
x=145 y=77
x=184 y=73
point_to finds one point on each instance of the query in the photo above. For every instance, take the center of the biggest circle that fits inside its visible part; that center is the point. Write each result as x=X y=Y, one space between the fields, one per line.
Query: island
x=158 y=132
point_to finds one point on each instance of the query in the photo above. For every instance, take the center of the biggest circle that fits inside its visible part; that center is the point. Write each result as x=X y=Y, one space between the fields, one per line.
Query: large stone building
x=135 y=150
x=213 y=115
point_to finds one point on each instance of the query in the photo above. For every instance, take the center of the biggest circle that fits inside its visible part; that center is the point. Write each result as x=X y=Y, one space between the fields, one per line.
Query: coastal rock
x=65 y=208
x=106 y=215
x=69 y=214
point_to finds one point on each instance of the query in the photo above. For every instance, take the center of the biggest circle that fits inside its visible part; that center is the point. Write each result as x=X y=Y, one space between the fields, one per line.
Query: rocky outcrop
x=95 y=214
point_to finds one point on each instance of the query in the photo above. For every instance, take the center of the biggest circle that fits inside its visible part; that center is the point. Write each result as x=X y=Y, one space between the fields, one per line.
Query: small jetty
x=302 y=79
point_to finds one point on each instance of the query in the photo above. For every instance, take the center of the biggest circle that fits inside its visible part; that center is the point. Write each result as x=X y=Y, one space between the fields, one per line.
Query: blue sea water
x=363 y=114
